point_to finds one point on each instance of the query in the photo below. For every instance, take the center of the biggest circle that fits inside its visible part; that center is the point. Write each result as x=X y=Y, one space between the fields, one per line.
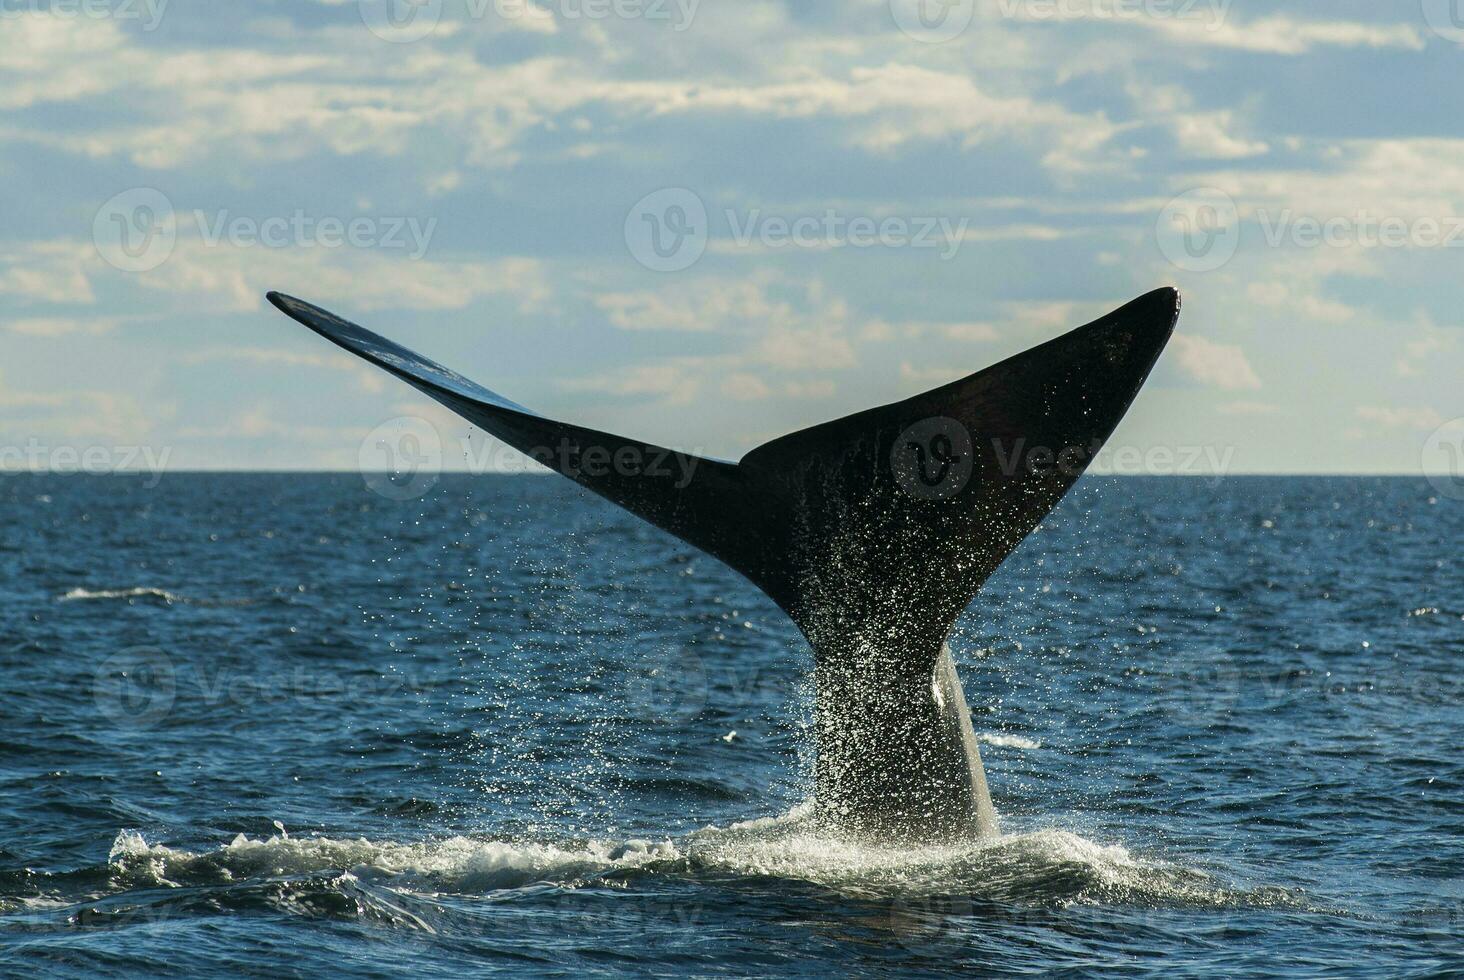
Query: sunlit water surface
x=284 y=725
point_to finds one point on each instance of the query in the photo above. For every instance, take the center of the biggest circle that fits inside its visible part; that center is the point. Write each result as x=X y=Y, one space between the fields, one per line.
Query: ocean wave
x=148 y=594
x=460 y=864
x=159 y=595
x=1042 y=867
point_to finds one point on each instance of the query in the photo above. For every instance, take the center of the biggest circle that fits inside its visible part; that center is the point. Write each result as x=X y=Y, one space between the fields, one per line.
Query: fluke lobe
x=873 y=532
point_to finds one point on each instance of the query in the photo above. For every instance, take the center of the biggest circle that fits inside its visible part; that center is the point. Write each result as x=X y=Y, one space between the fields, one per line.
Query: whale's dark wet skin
x=873 y=532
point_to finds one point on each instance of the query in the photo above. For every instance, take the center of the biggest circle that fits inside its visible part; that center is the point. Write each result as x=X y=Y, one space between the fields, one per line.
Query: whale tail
x=873 y=531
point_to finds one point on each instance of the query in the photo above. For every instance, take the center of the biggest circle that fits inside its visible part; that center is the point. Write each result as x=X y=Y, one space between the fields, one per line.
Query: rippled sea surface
x=282 y=725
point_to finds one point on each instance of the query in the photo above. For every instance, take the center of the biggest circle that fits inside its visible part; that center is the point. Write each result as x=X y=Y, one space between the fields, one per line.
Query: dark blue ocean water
x=280 y=725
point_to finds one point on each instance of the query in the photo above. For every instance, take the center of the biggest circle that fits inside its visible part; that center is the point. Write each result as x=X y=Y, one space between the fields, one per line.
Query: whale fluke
x=873 y=532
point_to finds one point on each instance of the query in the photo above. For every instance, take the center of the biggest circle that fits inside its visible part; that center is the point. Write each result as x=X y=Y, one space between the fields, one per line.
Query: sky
x=706 y=223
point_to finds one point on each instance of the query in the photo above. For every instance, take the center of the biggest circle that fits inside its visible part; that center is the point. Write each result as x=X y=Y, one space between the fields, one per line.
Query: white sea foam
x=455 y=863
x=1043 y=866
x=75 y=595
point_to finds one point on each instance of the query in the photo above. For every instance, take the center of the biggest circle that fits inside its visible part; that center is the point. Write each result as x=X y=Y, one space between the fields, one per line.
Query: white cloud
x=1421 y=354
x=671 y=382
x=1023 y=127
x=1298 y=294
x=812 y=389
x=772 y=326
x=970 y=331
x=706 y=304
x=1377 y=178
x=927 y=377
x=344 y=97
x=746 y=387
x=235 y=278
x=894 y=104
x=200 y=277
x=1209 y=134
x=881 y=331
x=1220 y=365
x=368 y=377
x=824 y=347
x=771 y=329
x=68 y=417
x=1284 y=35
x=52 y=272
x=1401 y=417
x=61 y=326
x=1248 y=408
x=259 y=422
